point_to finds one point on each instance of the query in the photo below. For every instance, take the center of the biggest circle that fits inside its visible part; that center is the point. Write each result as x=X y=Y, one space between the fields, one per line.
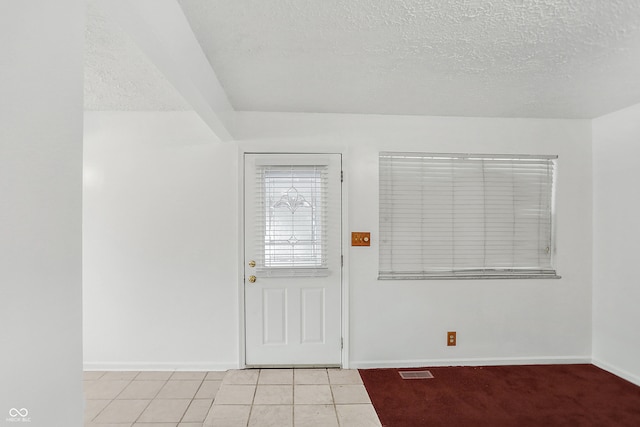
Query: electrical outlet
x=451 y=338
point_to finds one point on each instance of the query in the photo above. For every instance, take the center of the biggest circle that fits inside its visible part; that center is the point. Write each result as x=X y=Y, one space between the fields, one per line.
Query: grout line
x=208 y=410
x=255 y=390
x=199 y=387
x=185 y=411
x=110 y=400
x=192 y=399
x=221 y=380
x=293 y=397
x=123 y=389
x=100 y=411
x=333 y=399
x=103 y=373
x=152 y=399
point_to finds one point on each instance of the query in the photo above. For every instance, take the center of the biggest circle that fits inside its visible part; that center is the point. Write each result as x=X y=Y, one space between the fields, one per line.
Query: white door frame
x=343 y=245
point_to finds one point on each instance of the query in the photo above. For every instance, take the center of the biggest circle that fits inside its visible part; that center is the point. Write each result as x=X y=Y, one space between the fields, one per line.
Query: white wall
x=616 y=316
x=41 y=76
x=135 y=270
x=160 y=243
x=405 y=323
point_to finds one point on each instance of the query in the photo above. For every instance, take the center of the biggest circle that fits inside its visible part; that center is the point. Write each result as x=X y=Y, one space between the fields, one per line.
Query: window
x=466 y=216
x=292 y=217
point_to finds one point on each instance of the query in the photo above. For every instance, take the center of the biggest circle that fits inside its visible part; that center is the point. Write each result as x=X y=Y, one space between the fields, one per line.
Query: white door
x=292 y=263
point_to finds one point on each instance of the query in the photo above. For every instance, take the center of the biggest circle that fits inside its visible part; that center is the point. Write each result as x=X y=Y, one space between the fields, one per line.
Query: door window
x=292 y=220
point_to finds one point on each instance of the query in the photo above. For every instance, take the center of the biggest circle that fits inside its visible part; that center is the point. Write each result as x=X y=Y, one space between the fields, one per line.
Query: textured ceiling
x=118 y=76
x=512 y=58
x=518 y=58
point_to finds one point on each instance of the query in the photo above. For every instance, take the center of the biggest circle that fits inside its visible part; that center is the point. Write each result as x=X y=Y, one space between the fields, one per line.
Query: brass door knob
x=252 y=263
x=252 y=279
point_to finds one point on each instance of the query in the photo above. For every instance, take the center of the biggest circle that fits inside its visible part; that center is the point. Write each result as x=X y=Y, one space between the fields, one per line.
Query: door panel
x=292 y=248
x=313 y=311
x=274 y=316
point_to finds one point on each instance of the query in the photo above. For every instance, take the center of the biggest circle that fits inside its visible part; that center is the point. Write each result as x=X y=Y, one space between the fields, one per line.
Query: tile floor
x=247 y=398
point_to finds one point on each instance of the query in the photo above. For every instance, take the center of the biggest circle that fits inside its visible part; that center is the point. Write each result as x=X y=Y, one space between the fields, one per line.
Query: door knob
x=252 y=279
x=252 y=263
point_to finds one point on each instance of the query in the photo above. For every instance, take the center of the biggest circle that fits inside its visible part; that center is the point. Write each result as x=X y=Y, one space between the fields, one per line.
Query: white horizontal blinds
x=465 y=216
x=291 y=220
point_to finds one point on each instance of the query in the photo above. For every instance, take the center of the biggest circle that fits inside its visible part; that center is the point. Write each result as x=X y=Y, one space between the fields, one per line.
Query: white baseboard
x=158 y=366
x=635 y=379
x=494 y=361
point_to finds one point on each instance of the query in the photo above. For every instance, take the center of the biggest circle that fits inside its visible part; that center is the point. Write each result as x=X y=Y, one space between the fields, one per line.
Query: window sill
x=471 y=277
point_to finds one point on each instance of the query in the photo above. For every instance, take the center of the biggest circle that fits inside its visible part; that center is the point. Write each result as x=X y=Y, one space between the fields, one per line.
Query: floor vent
x=415 y=375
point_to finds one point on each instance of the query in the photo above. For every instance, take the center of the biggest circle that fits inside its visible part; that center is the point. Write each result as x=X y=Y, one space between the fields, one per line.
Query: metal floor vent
x=415 y=375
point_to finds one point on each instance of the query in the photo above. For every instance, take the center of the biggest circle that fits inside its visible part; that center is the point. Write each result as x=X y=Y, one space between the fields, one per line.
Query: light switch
x=360 y=238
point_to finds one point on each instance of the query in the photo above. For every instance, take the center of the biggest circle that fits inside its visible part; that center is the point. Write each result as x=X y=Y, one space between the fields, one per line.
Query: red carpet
x=501 y=396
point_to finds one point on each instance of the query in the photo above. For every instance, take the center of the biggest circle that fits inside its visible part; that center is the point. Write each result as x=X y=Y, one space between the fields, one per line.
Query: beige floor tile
x=276 y=376
x=188 y=375
x=119 y=375
x=198 y=410
x=346 y=394
x=190 y=425
x=315 y=416
x=235 y=394
x=312 y=395
x=215 y=375
x=273 y=395
x=164 y=410
x=181 y=389
x=344 y=376
x=154 y=375
x=93 y=408
x=122 y=411
x=310 y=376
x=271 y=416
x=141 y=390
x=241 y=376
x=86 y=385
x=228 y=416
x=357 y=416
x=92 y=375
x=208 y=390
x=104 y=389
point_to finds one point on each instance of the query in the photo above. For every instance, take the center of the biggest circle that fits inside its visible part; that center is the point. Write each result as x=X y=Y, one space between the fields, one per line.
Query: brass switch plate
x=360 y=238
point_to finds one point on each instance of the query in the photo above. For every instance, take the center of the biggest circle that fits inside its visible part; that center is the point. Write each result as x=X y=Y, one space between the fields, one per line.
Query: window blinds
x=466 y=216
x=291 y=220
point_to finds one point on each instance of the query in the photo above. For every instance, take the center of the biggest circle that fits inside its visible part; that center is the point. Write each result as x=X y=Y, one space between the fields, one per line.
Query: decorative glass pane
x=293 y=216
